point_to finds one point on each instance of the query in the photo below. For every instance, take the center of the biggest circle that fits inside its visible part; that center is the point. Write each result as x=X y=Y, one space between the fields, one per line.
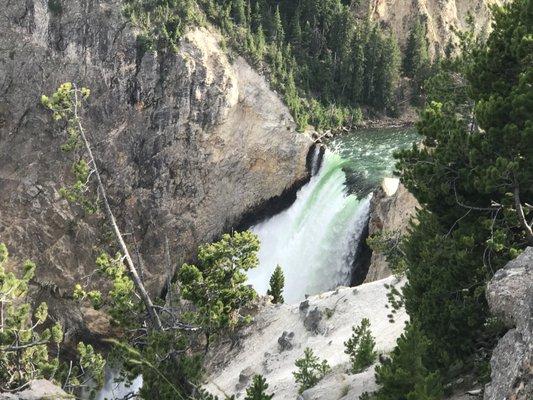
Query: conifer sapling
x=310 y=370
x=258 y=389
x=360 y=347
x=277 y=282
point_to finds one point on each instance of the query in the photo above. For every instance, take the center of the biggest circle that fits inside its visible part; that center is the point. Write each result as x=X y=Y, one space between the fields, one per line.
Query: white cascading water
x=316 y=239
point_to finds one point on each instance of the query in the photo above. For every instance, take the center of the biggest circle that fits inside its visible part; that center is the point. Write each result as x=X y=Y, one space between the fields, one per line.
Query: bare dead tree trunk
x=112 y=221
x=521 y=216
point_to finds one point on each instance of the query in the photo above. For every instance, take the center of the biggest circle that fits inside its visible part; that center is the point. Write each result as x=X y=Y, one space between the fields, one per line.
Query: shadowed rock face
x=510 y=297
x=187 y=142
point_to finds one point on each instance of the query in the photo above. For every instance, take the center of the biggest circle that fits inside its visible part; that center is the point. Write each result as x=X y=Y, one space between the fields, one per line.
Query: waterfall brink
x=315 y=240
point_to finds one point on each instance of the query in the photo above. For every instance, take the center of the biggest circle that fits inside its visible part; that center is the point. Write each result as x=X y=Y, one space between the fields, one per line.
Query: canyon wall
x=441 y=16
x=187 y=142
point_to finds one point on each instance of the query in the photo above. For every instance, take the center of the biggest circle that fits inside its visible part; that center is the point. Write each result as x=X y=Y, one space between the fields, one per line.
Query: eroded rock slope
x=280 y=333
x=441 y=17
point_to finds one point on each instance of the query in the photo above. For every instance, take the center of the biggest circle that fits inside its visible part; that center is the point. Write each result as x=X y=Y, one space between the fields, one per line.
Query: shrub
x=310 y=370
x=277 y=281
x=360 y=347
x=258 y=390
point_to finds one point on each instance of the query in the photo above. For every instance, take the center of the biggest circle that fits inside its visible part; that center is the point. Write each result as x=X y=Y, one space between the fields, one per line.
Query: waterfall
x=116 y=388
x=315 y=240
x=315 y=162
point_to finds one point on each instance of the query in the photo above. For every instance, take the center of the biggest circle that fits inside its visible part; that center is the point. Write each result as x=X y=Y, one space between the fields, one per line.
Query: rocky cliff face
x=510 y=297
x=391 y=209
x=187 y=142
x=441 y=17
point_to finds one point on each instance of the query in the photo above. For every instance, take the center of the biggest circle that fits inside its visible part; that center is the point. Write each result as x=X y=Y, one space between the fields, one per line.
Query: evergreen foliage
x=277 y=282
x=416 y=62
x=416 y=58
x=216 y=285
x=474 y=177
x=161 y=22
x=405 y=375
x=30 y=351
x=258 y=389
x=310 y=370
x=309 y=49
x=361 y=347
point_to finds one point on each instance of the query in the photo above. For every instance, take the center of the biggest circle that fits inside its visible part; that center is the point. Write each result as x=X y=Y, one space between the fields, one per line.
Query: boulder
x=285 y=341
x=39 y=389
x=510 y=298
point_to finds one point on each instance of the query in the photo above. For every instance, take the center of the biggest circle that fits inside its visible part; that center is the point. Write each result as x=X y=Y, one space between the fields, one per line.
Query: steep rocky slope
x=391 y=209
x=280 y=333
x=188 y=142
x=441 y=16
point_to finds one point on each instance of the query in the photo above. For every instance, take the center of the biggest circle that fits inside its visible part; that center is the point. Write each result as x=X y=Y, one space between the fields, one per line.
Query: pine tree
x=296 y=28
x=386 y=73
x=258 y=389
x=372 y=53
x=239 y=12
x=474 y=176
x=405 y=375
x=260 y=43
x=277 y=280
x=28 y=350
x=216 y=285
x=358 y=65
x=416 y=63
x=310 y=370
x=360 y=347
x=278 y=33
x=416 y=59
x=257 y=17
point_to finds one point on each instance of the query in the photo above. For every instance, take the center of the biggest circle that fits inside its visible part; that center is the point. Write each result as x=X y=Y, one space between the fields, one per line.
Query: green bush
x=277 y=282
x=310 y=370
x=405 y=375
x=361 y=347
x=217 y=284
x=28 y=350
x=258 y=390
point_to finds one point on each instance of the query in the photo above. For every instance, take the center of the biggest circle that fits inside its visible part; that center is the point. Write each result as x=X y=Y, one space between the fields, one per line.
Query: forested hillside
x=328 y=63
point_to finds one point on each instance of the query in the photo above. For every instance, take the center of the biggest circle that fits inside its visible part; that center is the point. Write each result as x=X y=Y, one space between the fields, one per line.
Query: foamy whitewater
x=315 y=240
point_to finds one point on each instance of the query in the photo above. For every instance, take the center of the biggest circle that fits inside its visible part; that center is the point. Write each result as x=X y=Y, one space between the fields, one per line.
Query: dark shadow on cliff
x=277 y=204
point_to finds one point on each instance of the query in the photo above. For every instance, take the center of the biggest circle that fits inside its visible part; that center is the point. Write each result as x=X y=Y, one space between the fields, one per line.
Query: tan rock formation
x=390 y=213
x=442 y=16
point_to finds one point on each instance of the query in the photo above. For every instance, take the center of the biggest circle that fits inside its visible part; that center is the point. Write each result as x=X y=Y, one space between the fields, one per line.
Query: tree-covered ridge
x=326 y=63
